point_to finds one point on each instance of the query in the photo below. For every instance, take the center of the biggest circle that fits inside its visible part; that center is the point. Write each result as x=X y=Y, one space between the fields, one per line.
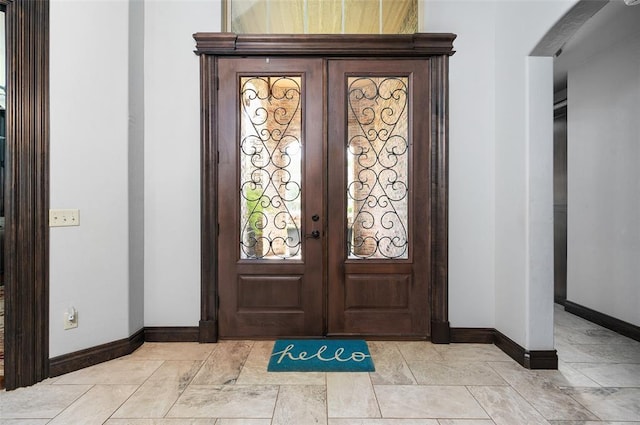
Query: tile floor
x=415 y=383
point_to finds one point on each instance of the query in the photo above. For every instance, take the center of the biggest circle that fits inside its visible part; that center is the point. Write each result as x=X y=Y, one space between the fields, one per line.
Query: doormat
x=319 y=355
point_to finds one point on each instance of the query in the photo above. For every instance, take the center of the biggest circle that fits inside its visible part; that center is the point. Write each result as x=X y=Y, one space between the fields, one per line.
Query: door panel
x=378 y=168
x=270 y=272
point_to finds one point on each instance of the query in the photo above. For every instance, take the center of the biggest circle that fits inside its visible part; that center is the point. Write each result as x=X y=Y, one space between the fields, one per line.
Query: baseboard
x=537 y=359
x=541 y=359
x=530 y=359
x=472 y=335
x=171 y=334
x=623 y=328
x=112 y=350
x=94 y=355
x=510 y=347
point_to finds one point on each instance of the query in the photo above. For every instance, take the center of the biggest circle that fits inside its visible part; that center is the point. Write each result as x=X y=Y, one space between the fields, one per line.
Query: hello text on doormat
x=312 y=355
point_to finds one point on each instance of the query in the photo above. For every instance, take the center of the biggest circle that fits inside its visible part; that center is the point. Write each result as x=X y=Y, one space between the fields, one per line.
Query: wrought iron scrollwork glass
x=377 y=167
x=271 y=162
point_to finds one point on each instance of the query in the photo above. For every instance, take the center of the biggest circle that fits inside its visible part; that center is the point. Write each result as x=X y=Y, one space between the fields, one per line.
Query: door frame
x=26 y=238
x=437 y=47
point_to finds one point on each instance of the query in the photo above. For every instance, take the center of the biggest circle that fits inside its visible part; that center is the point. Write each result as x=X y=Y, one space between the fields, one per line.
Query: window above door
x=321 y=16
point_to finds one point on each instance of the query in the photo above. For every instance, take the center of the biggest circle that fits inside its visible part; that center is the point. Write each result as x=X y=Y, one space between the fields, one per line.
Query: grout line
x=375 y=395
x=406 y=362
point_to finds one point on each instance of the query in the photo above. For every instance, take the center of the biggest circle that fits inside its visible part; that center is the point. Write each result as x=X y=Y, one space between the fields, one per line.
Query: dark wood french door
x=378 y=198
x=271 y=195
x=323 y=197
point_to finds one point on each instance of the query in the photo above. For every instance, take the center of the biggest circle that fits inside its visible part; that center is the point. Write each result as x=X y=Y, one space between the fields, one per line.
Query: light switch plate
x=59 y=218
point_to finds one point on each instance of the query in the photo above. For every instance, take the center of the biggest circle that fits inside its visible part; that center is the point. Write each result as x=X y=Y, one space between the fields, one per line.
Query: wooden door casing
x=212 y=47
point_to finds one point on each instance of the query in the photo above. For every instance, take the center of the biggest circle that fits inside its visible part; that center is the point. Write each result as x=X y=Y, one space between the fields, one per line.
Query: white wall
x=493 y=265
x=125 y=150
x=523 y=303
x=472 y=157
x=603 y=234
x=500 y=141
x=89 y=171
x=172 y=159
x=136 y=165
x=539 y=269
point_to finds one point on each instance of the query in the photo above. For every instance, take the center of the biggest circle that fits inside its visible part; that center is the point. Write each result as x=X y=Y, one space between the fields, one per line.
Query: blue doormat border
x=320 y=355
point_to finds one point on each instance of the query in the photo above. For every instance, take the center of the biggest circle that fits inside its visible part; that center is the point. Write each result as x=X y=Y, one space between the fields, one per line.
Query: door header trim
x=385 y=45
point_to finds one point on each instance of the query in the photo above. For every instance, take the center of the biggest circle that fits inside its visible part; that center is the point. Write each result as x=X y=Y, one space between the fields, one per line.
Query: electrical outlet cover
x=68 y=324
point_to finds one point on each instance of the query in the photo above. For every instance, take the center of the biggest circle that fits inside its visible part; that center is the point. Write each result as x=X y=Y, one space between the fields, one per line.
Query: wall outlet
x=70 y=318
x=59 y=218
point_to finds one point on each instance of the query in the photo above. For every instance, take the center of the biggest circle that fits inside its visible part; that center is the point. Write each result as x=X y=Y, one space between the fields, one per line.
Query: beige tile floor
x=415 y=383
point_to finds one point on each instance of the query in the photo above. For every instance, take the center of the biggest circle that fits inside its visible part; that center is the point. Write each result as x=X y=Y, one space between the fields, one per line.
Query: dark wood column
x=208 y=329
x=27 y=193
x=440 y=200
